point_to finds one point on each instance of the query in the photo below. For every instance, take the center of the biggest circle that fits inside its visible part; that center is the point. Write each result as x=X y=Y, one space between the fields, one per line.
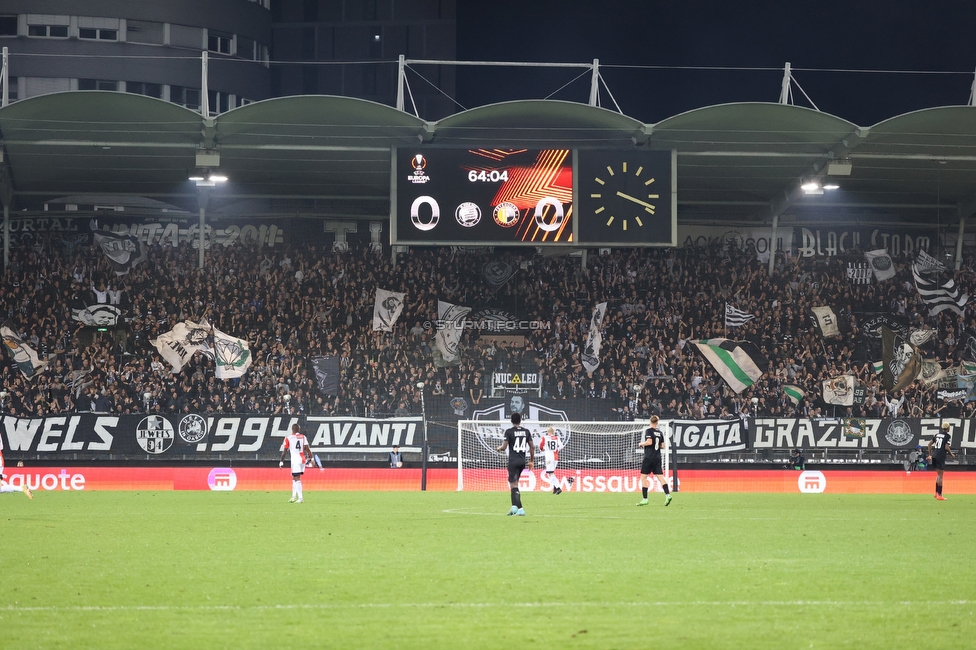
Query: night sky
x=813 y=37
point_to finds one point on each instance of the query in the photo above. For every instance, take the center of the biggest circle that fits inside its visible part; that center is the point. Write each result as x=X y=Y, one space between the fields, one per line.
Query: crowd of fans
x=293 y=303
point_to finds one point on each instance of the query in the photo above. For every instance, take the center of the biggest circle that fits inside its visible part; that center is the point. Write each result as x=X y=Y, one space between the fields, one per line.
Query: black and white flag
x=594 y=339
x=881 y=264
x=97 y=315
x=387 y=308
x=327 y=371
x=736 y=317
x=450 y=326
x=124 y=251
x=859 y=273
x=938 y=297
x=23 y=355
x=825 y=321
x=928 y=264
x=498 y=272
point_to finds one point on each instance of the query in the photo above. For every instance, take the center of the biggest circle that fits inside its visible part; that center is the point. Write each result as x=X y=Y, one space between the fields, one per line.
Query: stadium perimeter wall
x=55 y=478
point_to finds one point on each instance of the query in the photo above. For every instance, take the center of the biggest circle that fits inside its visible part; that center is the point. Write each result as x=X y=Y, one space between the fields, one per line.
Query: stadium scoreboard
x=533 y=197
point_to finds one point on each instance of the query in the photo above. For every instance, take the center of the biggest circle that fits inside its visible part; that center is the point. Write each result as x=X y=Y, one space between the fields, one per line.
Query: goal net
x=595 y=456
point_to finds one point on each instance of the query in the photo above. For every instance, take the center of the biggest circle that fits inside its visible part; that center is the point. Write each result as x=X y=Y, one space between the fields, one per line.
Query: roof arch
x=538 y=122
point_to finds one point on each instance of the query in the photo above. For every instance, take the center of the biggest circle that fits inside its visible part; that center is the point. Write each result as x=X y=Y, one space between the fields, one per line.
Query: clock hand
x=635 y=200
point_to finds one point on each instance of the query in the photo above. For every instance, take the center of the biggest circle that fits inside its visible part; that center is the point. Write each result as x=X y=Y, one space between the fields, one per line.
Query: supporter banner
x=744 y=239
x=195 y=438
x=517 y=380
x=225 y=479
x=829 y=433
x=828 y=243
x=708 y=436
x=175 y=231
x=201 y=437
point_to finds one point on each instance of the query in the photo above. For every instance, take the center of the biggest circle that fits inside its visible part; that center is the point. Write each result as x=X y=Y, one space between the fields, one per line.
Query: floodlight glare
x=831 y=186
x=810 y=187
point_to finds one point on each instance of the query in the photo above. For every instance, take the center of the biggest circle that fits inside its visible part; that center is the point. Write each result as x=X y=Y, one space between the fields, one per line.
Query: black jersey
x=653 y=450
x=941 y=441
x=519 y=442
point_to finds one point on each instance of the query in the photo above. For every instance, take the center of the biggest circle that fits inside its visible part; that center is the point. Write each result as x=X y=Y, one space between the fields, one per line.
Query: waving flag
x=736 y=317
x=594 y=339
x=23 y=355
x=795 y=393
x=387 y=308
x=740 y=363
x=450 y=325
x=232 y=355
x=178 y=345
x=902 y=361
x=881 y=264
x=938 y=297
x=825 y=321
x=124 y=251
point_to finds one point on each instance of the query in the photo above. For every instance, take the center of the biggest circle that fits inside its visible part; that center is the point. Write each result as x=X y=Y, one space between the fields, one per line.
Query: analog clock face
x=625 y=197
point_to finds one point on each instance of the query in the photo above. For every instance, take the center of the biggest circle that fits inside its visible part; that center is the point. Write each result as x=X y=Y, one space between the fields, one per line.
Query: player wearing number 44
x=518 y=441
x=297 y=444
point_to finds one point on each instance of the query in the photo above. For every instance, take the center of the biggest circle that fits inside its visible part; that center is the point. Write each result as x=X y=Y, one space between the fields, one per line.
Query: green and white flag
x=232 y=355
x=739 y=362
x=22 y=355
x=795 y=393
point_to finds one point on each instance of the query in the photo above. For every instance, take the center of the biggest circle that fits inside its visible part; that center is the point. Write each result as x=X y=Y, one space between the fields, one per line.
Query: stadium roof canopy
x=738 y=164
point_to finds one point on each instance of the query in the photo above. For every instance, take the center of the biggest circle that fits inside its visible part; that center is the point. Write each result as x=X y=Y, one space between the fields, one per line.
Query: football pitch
x=450 y=570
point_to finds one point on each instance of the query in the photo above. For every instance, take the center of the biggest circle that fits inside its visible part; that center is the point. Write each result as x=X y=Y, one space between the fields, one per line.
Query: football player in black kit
x=653 y=444
x=937 y=459
x=518 y=440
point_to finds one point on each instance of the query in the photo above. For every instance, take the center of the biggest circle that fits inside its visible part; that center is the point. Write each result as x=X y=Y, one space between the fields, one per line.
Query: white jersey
x=297 y=444
x=550 y=445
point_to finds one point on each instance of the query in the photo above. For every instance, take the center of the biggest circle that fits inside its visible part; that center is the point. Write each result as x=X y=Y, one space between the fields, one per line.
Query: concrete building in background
x=256 y=48
x=350 y=48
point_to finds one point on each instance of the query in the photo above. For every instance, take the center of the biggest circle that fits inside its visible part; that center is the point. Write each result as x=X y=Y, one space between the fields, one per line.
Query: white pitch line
x=602 y=604
x=461 y=511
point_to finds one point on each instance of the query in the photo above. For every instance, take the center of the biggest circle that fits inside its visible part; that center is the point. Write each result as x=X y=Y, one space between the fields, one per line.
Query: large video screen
x=483 y=196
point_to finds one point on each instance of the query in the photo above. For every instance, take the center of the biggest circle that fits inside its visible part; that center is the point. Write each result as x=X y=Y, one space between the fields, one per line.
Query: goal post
x=595 y=456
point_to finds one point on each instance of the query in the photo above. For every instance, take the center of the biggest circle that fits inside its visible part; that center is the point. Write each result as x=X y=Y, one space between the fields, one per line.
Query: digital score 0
x=448 y=196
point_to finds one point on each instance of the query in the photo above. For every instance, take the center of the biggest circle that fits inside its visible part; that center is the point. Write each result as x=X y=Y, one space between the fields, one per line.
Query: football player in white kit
x=7 y=488
x=550 y=444
x=297 y=444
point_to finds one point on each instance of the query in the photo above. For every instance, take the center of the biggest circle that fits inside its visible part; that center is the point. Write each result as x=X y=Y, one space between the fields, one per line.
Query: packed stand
x=292 y=304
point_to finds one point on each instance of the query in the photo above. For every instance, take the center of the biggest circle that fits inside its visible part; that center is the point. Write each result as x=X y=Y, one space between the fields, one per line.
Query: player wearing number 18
x=653 y=444
x=518 y=440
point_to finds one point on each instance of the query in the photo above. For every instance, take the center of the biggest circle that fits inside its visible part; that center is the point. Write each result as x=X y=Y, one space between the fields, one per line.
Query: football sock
x=667 y=490
x=938 y=488
x=294 y=489
x=644 y=492
x=300 y=497
x=515 y=497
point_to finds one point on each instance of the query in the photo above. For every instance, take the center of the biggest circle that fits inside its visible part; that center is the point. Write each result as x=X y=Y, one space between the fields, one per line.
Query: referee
x=653 y=444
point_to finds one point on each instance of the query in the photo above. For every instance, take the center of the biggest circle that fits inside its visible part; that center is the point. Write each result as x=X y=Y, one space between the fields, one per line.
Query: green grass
x=445 y=570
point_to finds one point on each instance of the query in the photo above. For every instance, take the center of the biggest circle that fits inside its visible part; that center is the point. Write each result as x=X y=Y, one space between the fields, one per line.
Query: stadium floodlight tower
x=423 y=452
